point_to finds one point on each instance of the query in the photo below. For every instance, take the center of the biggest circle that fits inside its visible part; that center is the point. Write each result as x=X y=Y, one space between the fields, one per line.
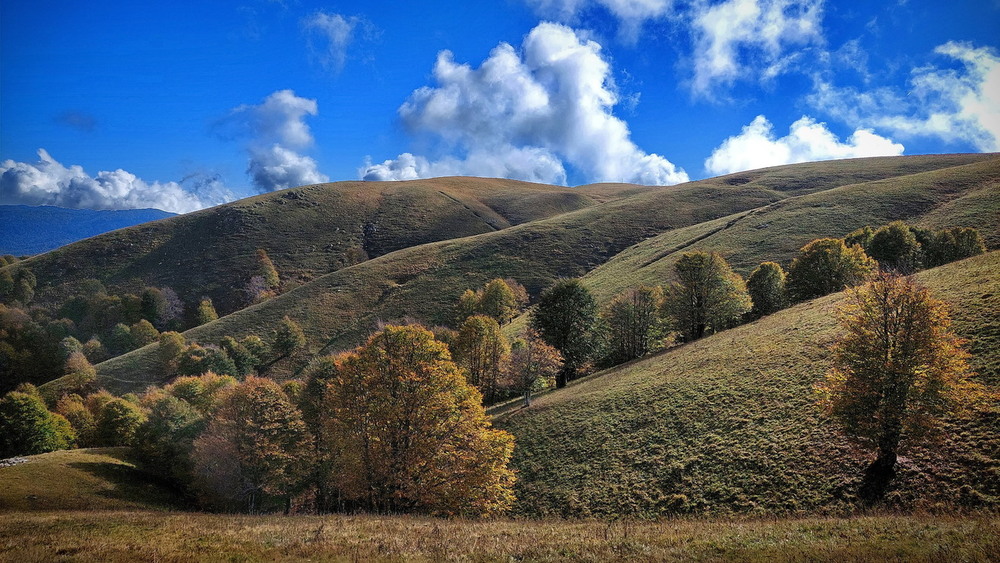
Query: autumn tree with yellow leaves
x=404 y=432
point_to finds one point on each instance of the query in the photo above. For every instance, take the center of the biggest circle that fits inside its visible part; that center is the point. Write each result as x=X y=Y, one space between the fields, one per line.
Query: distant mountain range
x=28 y=230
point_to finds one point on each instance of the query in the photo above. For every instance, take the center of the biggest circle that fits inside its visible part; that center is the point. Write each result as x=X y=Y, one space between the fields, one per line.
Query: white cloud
x=48 y=182
x=952 y=104
x=738 y=38
x=630 y=13
x=529 y=111
x=275 y=127
x=278 y=168
x=757 y=146
x=329 y=36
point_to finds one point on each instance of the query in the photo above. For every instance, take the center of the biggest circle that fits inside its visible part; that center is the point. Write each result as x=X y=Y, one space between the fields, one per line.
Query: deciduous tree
x=898 y=369
x=483 y=350
x=895 y=247
x=255 y=449
x=633 y=323
x=533 y=363
x=564 y=318
x=27 y=427
x=708 y=297
x=825 y=266
x=406 y=432
x=766 y=286
x=206 y=312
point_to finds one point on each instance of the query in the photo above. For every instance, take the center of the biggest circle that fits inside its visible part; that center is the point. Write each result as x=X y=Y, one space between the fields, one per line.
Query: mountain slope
x=961 y=196
x=308 y=232
x=339 y=309
x=728 y=423
x=27 y=230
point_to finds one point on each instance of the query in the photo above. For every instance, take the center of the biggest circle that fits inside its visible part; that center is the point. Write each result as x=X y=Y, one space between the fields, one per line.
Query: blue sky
x=182 y=105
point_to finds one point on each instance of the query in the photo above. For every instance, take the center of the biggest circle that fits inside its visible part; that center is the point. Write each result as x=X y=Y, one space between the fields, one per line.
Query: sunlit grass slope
x=729 y=424
x=132 y=536
x=962 y=196
x=308 y=231
x=88 y=479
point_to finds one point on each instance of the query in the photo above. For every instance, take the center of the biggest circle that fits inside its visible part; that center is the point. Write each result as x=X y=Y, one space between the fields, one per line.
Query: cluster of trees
x=709 y=296
x=37 y=340
x=31 y=423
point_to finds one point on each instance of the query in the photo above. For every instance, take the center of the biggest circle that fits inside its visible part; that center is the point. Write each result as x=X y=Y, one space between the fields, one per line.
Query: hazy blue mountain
x=26 y=230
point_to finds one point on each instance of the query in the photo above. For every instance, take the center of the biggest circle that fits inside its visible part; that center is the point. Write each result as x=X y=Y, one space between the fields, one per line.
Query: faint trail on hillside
x=474 y=212
x=700 y=238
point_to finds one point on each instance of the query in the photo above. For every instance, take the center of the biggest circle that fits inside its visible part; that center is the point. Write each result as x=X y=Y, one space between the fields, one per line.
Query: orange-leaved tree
x=405 y=432
x=898 y=370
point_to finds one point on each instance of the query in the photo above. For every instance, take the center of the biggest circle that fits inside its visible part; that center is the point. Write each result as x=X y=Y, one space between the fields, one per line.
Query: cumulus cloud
x=631 y=13
x=329 y=36
x=48 y=182
x=953 y=104
x=757 y=146
x=735 y=38
x=522 y=114
x=275 y=129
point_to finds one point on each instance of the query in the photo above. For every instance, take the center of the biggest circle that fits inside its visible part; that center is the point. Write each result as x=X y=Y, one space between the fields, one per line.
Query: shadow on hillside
x=130 y=485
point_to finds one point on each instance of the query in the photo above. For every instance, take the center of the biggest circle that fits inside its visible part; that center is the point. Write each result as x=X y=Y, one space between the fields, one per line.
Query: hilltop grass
x=728 y=424
x=88 y=479
x=130 y=536
x=308 y=231
x=967 y=195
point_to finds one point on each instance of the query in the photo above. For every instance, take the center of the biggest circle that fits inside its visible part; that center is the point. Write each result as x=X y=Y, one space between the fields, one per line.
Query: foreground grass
x=129 y=536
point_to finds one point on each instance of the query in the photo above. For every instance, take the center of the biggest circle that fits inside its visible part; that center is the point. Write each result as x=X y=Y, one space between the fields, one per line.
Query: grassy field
x=750 y=217
x=728 y=424
x=131 y=536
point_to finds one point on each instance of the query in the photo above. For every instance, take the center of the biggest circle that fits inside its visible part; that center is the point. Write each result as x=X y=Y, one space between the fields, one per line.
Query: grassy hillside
x=728 y=423
x=118 y=536
x=797 y=202
x=963 y=196
x=89 y=479
x=308 y=231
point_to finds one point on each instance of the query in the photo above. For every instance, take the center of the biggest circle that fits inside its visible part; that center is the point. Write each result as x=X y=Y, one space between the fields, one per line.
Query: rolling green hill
x=307 y=231
x=729 y=423
x=628 y=238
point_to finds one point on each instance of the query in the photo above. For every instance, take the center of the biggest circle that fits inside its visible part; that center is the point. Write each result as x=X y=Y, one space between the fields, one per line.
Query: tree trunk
x=877 y=478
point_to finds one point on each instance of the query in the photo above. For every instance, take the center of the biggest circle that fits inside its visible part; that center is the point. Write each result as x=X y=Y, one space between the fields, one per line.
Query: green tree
x=255 y=451
x=499 y=301
x=895 y=247
x=405 y=432
x=825 y=266
x=153 y=306
x=24 y=286
x=708 y=297
x=198 y=360
x=143 y=333
x=117 y=423
x=27 y=427
x=165 y=440
x=898 y=369
x=861 y=237
x=206 y=312
x=483 y=350
x=564 y=318
x=468 y=305
x=766 y=286
x=246 y=361
x=633 y=324
x=80 y=374
x=288 y=339
x=169 y=352
x=120 y=340
x=948 y=245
